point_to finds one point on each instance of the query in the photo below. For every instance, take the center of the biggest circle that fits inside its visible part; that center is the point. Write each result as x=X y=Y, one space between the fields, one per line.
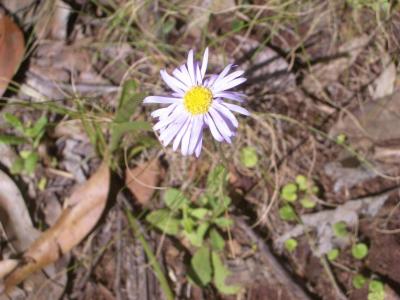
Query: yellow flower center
x=198 y=100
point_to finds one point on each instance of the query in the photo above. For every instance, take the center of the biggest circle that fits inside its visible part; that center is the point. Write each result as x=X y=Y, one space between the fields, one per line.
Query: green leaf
x=340 y=229
x=289 y=192
x=25 y=154
x=237 y=25
x=333 y=254
x=119 y=129
x=220 y=205
x=14 y=121
x=30 y=162
x=220 y=274
x=11 y=140
x=287 y=213
x=203 y=200
x=174 y=199
x=143 y=144
x=249 y=157
x=223 y=222
x=302 y=182
x=376 y=286
x=163 y=220
x=198 y=213
x=341 y=139
x=17 y=166
x=314 y=190
x=37 y=129
x=217 y=241
x=168 y=26
x=376 y=290
x=291 y=245
x=359 y=251
x=307 y=203
x=201 y=265
x=42 y=184
x=187 y=224
x=127 y=104
x=216 y=180
x=196 y=238
x=358 y=281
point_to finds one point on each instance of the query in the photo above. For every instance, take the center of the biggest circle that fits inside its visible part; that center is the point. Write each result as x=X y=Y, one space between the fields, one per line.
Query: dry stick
x=282 y=276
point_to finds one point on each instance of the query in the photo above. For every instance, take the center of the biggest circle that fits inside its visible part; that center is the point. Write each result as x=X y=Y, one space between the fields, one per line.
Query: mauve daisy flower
x=197 y=102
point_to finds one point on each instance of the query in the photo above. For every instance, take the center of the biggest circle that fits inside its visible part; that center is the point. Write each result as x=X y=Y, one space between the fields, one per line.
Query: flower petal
x=227 y=79
x=182 y=75
x=197 y=151
x=161 y=100
x=179 y=110
x=163 y=112
x=223 y=110
x=173 y=83
x=197 y=132
x=171 y=131
x=236 y=108
x=199 y=78
x=223 y=73
x=210 y=81
x=231 y=96
x=186 y=138
x=228 y=86
x=213 y=128
x=204 y=63
x=190 y=67
x=221 y=125
x=180 y=134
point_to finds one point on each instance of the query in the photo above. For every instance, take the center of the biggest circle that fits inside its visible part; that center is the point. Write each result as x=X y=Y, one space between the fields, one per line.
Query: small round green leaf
x=358 y=281
x=359 y=250
x=341 y=139
x=333 y=254
x=249 y=157
x=287 y=213
x=291 y=245
x=376 y=290
x=376 y=286
x=289 y=192
x=314 y=190
x=340 y=229
x=302 y=182
x=307 y=203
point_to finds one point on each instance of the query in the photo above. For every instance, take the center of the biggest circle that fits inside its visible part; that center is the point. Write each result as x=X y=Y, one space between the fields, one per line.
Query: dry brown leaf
x=12 y=49
x=78 y=218
x=143 y=179
x=19 y=229
x=6 y=266
x=14 y=215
